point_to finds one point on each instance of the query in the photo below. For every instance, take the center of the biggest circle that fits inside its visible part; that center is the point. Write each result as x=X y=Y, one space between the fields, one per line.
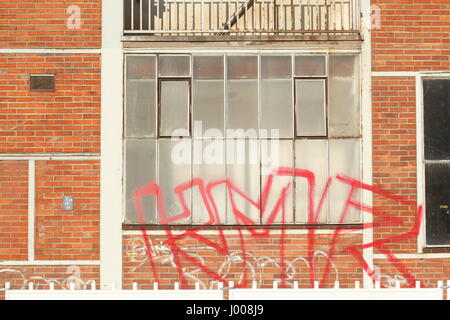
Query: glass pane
x=209 y=166
x=436 y=99
x=208 y=67
x=140 y=170
x=242 y=110
x=243 y=170
x=140 y=90
x=208 y=96
x=207 y=108
x=140 y=67
x=242 y=93
x=276 y=67
x=174 y=161
x=174 y=113
x=309 y=66
x=242 y=67
x=310 y=108
x=140 y=111
x=311 y=155
x=344 y=110
x=437 y=186
x=344 y=160
x=174 y=66
x=277 y=154
x=277 y=108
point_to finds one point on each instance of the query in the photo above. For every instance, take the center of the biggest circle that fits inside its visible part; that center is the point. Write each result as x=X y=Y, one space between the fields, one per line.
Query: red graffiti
x=257 y=230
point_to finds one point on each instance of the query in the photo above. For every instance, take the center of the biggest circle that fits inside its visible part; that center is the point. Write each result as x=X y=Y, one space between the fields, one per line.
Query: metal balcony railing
x=241 y=17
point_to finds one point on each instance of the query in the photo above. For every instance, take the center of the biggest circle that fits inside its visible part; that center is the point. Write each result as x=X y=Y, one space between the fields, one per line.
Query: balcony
x=228 y=18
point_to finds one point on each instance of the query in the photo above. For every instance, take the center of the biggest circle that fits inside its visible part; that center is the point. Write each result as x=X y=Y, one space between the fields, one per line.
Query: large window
x=230 y=120
x=436 y=102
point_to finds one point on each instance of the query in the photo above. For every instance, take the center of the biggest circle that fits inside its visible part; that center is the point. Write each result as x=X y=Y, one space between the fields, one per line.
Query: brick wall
x=13 y=210
x=50 y=23
x=67 y=120
x=394 y=154
x=268 y=258
x=67 y=235
x=414 y=35
x=62 y=276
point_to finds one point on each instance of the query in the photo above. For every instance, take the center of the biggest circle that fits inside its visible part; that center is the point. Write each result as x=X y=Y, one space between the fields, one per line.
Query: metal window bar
x=271 y=17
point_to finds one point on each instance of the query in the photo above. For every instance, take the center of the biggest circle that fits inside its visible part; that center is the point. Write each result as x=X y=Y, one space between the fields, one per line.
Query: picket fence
x=440 y=292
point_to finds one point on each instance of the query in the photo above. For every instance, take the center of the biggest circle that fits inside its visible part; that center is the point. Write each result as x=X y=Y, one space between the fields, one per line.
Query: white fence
x=418 y=293
x=243 y=17
x=338 y=293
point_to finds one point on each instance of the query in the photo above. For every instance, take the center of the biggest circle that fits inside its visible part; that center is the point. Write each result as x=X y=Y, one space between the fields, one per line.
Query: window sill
x=357 y=226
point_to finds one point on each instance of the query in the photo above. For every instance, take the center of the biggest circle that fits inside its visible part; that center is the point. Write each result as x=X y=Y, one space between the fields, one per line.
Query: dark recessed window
x=436 y=102
x=42 y=82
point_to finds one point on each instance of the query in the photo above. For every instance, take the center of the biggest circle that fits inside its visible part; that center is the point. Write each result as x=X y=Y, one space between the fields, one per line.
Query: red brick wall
x=13 y=210
x=36 y=23
x=265 y=257
x=414 y=35
x=67 y=120
x=60 y=122
x=67 y=235
x=394 y=154
x=61 y=275
x=428 y=271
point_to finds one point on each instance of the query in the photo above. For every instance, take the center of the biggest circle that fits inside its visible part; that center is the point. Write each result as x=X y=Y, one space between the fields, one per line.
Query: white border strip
x=366 y=119
x=31 y=207
x=420 y=167
x=49 y=157
x=394 y=73
x=241 y=51
x=244 y=231
x=442 y=255
x=49 y=262
x=111 y=145
x=48 y=51
x=408 y=73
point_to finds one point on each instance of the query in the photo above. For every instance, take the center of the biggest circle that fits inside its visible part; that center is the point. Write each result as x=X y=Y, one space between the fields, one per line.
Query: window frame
x=422 y=246
x=226 y=53
x=297 y=135
x=158 y=107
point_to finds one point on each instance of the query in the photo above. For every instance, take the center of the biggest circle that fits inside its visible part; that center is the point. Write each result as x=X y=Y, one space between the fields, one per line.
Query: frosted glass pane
x=344 y=160
x=140 y=67
x=274 y=155
x=209 y=166
x=311 y=155
x=208 y=108
x=242 y=112
x=208 y=67
x=276 y=67
x=276 y=107
x=243 y=170
x=344 y=110
x=140 y=170
x=310 y=107
x=242 y=67
x=140 y=111
x=174 y=112
x=174 y=65
x=174 y=161
x=307 y=66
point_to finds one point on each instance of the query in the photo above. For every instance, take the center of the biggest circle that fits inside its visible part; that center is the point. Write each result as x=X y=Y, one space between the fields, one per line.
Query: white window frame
x=365 y=170
x=420 y=156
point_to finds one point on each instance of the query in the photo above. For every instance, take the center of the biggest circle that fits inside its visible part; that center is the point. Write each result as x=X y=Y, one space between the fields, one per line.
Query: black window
x=436 y=96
